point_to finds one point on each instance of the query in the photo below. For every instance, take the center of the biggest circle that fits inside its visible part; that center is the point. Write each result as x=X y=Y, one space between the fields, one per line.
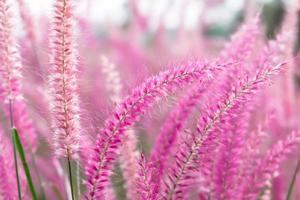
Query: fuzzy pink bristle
x=10 y=59
x=64 y=105
x=128 y=112
x=144 y=180
x=168 y=137
x=11 y=80
x=242 y=42
x=287 y=38
x=128 y=149
x=112 y=79
x=268 y=166
x=27 y=20
x=209 y=125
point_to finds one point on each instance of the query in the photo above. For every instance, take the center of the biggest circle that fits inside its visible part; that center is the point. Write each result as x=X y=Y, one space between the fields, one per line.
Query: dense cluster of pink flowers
x=137 y=118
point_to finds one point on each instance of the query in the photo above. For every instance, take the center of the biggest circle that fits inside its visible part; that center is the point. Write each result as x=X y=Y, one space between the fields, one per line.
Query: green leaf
x=20 y=150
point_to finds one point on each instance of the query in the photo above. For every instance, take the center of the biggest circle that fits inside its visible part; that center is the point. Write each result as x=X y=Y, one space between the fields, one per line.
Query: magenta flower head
x=10 y=60
x=63 y=82
x=11 y=80
x=129 y=111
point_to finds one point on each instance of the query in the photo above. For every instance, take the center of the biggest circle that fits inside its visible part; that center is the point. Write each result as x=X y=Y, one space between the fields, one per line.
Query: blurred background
x=202 y=23
x=220 y=17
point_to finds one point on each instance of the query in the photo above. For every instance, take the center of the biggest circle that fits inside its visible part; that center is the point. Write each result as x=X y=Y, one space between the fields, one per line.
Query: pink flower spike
x=128 y=149
x=11 y=80
x=144 y=180
x=204 y=141
x=268 y=167
x=167 y=139
x=64 y=105
x=242 y=42
x=129 y=111
x=10 y=60
x=112 y=79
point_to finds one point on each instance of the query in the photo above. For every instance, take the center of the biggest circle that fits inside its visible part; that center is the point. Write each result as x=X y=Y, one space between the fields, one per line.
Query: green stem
x=78 y=179
x=20 y=150
x=14 y=149
x=289 y=195
x=70 y=176
x=17 y=170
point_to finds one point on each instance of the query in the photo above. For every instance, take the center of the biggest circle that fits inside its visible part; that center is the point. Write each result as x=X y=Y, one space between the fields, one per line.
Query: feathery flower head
x=63 y=82
x=128 y=149
x=268 y=166
x=167 y=140
x=129 y=111
x=112 y=78
x=10 y=69
x=10 y=80
x=242 y=42
x=209 y=126
x=144 y=182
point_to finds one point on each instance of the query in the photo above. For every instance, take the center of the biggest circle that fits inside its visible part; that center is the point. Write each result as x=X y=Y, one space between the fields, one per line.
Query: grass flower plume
x=64 y=105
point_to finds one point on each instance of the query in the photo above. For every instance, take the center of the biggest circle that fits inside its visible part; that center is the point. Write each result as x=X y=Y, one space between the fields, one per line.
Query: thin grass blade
x=19 y=147
x=289 y=195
